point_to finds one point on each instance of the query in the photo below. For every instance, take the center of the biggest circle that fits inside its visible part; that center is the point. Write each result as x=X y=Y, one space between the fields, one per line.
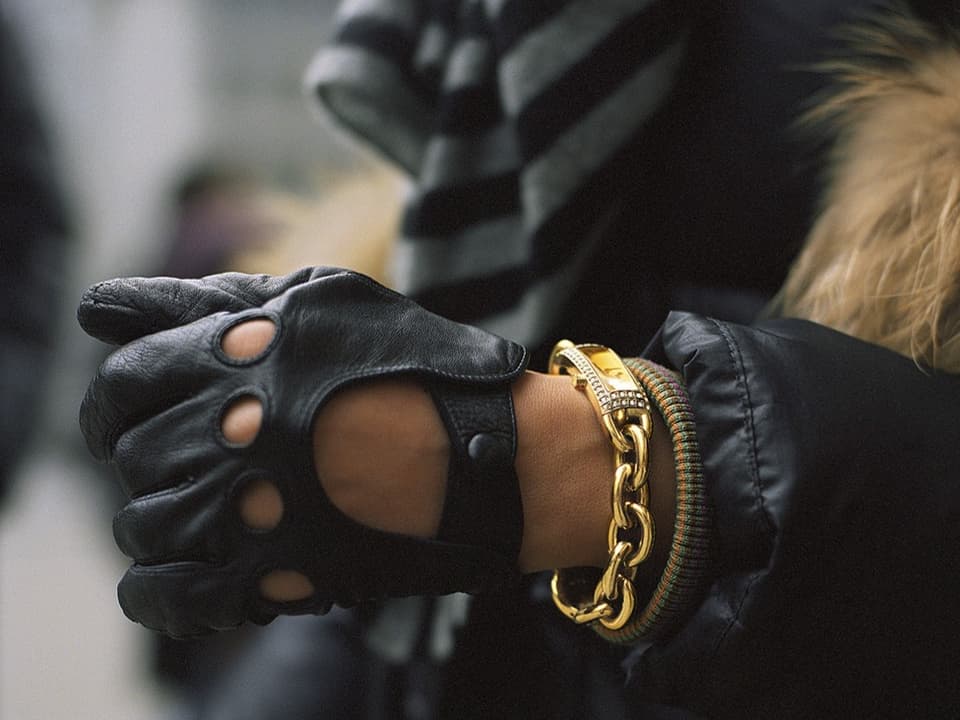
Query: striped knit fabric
x=507 y=115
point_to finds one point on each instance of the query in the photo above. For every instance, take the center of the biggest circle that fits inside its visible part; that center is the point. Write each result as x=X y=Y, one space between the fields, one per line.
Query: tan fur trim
x=882 y=262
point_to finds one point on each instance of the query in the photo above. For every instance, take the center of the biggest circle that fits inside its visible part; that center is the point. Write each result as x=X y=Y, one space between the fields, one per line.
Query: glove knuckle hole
x=261 y=505
x=248 y=339
x=285 y=586
x=242 y=419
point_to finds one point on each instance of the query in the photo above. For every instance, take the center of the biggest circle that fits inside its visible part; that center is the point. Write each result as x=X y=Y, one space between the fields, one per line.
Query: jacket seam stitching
x=736 y=358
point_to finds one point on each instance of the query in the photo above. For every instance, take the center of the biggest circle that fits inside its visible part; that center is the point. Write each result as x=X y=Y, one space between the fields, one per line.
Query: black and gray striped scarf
x=505 y=114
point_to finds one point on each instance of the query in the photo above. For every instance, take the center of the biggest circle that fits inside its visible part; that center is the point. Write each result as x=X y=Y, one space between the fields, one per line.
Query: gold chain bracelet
x=624 y=411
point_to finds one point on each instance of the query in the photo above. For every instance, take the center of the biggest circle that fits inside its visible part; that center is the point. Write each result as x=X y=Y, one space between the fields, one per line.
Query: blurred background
x=171 y=136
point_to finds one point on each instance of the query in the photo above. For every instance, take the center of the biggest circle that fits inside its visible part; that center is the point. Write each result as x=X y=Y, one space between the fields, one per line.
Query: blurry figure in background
x=225 y=219
x=348 y=222
x=33 y=231
x=216 y=216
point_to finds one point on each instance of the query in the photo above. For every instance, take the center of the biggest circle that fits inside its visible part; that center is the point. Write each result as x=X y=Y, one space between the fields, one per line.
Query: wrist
x=565 y=468
x=562 y=464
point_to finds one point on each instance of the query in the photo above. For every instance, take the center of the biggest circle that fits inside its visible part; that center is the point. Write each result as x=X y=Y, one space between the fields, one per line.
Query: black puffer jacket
x=834 y=467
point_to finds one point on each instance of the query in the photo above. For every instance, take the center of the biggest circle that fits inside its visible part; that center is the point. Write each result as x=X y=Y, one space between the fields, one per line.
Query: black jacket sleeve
x=833 y=468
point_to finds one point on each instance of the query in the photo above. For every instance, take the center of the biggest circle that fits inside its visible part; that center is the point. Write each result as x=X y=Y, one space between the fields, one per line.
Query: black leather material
x=834 y=469
x=481 y=499
x=155 y=410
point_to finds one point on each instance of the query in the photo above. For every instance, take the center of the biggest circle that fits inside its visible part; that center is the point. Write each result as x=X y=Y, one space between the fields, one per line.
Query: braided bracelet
x=682 y=579
x=680 y=586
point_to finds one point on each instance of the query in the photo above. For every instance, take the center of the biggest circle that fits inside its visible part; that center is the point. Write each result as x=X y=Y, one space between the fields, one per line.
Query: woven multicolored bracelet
x=680 y=585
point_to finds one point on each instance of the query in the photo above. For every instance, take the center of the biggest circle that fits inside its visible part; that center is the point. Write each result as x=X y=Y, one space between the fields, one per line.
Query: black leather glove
x=155 y=409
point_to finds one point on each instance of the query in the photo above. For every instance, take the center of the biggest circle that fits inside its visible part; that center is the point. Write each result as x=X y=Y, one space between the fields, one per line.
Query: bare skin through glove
x=158 y=408
x=416 y=445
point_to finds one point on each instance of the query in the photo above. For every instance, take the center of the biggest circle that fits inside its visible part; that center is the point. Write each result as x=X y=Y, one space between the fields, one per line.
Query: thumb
x=120 y=310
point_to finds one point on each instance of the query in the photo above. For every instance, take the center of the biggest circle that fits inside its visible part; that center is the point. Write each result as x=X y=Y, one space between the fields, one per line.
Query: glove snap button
x=483 y=447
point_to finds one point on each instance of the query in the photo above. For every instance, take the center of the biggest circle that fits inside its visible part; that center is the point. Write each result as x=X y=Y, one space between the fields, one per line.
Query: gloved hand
x=155 y=410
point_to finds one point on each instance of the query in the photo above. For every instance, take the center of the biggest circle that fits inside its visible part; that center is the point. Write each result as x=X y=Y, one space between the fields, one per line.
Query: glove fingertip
x=109 y=311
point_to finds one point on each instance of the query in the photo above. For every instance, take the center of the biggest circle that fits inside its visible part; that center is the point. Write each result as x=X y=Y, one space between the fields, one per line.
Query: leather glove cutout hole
x=261 y=505
x=241 y=420
x=245 y=341
x=285 y=586
x=248 y=339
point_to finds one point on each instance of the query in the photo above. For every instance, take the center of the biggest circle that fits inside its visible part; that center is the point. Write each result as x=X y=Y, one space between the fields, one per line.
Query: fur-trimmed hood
x=882 y=261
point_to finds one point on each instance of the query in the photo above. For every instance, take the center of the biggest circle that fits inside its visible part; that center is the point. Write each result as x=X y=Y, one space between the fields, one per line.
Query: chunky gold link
x=648 y=534
x=624 y=412
x=620 y=442
x=613 y=532
x=574 y=612
x=639 y=439
x=607 y=586
x=621 y=480
x=627 y=605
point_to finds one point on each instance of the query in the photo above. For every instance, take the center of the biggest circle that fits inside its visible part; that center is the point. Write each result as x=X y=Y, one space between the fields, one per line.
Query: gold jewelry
x=624 y=411
x=688 y=566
